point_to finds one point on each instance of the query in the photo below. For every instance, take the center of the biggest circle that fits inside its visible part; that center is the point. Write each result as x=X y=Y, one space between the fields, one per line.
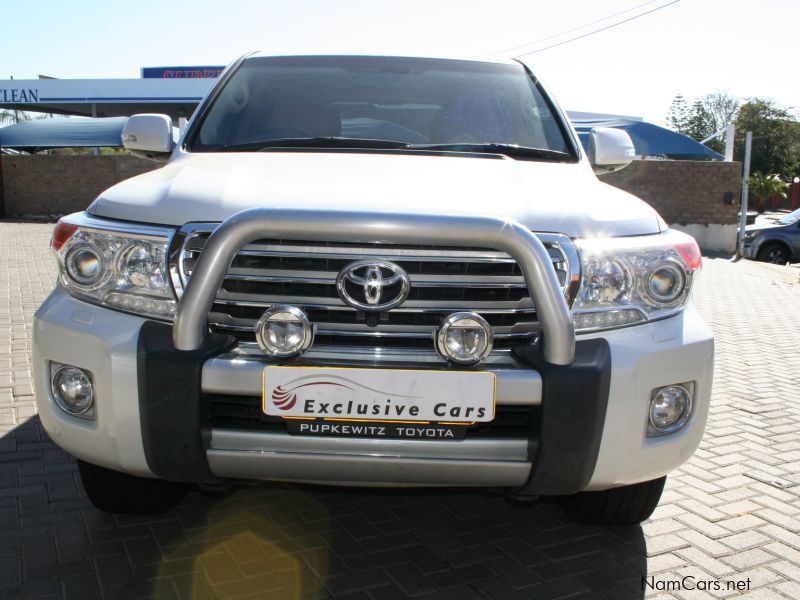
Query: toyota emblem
x=373 y=285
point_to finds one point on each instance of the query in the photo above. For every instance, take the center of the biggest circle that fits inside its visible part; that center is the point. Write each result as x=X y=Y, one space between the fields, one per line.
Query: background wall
x=62 y=184
x=689 y=195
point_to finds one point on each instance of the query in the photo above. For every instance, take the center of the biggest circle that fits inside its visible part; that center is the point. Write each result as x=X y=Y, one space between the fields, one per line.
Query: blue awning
x=44 y=134
x=651 y=140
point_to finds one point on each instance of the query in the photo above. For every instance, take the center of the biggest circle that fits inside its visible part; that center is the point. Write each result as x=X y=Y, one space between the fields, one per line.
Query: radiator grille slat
x=303 y=273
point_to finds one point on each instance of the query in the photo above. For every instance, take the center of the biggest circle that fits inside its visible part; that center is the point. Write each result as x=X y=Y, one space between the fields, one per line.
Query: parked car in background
x=750 y=217
x=777 y=242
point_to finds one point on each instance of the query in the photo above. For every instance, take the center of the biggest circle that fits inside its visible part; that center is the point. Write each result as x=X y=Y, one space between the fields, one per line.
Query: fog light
x=284 y=331
x=464 y=338
x=73 y=390
x=670 y=408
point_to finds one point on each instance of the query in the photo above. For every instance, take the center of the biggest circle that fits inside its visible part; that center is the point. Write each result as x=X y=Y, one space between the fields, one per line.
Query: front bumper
x=750 y=247
x=108 y=344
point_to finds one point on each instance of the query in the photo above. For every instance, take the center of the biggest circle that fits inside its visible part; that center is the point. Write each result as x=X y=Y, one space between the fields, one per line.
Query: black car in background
x=777 y=242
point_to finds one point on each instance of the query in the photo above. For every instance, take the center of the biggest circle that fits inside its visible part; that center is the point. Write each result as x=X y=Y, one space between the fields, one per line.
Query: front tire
x=777 y=254
x=120 y=493
x=627 y=505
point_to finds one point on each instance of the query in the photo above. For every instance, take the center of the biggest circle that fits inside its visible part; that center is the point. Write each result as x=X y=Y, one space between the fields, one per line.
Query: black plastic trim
x=566 y=130
x=201 y=111
x=171 y=405
x=564 y=451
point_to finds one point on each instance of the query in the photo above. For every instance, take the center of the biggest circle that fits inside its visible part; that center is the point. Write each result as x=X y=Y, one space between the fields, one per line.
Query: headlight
x=634 y=279
x=751 y=235
x=85 y=265
x=112 y=265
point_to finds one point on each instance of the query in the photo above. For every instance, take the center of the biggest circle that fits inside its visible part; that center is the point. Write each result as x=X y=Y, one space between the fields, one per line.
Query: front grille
x=443 y=280
x=244 y=412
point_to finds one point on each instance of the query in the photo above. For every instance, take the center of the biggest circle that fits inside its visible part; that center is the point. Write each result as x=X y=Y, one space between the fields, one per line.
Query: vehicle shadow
x=275 y=540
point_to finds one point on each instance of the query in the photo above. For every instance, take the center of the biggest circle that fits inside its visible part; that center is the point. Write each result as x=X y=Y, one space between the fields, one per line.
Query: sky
x=692 y=47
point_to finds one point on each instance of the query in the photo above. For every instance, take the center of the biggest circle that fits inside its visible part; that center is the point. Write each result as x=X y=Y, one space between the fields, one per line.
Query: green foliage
x=776 y=137
x=776 y=132
x=678 y=113
x=764 y=187
x=698 y=123
x=707 y=115
x=113 y=151
x=103 y=151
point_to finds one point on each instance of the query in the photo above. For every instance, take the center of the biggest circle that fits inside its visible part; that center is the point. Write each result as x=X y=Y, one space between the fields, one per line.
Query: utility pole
x=730 y=132
x=2 y=188
x=95 y=151
x=748 y=143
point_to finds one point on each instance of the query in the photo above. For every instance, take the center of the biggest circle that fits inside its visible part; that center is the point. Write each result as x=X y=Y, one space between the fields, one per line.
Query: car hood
x=547 y=197
x=762 y=227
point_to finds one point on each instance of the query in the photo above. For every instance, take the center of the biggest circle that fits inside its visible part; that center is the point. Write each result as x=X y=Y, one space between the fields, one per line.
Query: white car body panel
x=547 y=197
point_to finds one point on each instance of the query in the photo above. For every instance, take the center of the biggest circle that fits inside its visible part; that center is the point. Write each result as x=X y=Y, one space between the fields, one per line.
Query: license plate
x=386 y=395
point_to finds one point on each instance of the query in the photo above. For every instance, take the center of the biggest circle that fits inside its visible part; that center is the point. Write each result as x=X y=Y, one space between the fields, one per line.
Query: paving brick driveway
x=731 y=514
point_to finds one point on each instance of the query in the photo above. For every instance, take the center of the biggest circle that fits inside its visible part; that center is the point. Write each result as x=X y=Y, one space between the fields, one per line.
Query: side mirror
x=610 y=149
x=148 y=136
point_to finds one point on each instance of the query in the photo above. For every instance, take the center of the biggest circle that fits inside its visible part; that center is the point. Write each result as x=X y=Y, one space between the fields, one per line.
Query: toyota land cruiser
x=374 y=271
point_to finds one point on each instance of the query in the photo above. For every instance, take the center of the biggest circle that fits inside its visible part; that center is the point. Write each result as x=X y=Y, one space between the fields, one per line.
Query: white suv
x=362 y=270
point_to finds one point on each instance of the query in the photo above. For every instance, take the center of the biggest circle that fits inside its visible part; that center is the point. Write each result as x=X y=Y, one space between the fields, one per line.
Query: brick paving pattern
x=730 y=514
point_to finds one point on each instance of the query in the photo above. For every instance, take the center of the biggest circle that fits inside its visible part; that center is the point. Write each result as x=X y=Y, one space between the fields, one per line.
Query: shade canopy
x=33 y=136
x=651 y=140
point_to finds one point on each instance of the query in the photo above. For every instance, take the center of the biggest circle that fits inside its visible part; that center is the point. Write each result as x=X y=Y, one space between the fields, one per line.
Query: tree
x=765 y=187
x=776 y=137
x=678 y=113
x=720 y=108
x=698 y=124
x=707 y=115
x=14 y=116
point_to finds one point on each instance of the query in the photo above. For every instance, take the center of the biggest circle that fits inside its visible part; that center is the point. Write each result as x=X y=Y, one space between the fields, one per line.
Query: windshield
x=791 y=218
x=399 y=102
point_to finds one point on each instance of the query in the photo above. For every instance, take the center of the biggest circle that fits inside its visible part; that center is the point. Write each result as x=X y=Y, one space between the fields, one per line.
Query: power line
x=560 y=33
x=600 y=29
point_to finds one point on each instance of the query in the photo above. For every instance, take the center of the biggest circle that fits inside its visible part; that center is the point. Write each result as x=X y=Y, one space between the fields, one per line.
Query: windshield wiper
x=511 y=150
x=312 y=142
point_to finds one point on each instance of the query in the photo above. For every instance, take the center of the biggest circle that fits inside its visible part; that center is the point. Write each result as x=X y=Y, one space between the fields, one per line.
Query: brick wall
x=689 y=195
x=59 y=184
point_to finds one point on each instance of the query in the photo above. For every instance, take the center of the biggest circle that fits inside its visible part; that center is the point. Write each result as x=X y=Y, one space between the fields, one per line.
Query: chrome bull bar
x=191 y=319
